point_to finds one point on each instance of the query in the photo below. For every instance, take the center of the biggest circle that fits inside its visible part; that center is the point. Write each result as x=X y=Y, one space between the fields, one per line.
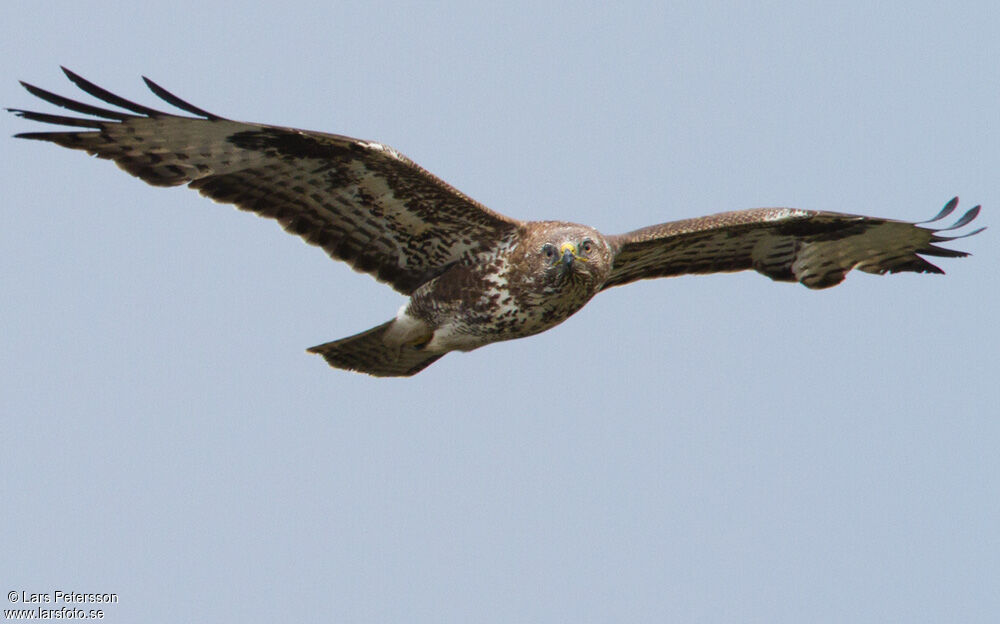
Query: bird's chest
x=480 y=304
x=541 y=304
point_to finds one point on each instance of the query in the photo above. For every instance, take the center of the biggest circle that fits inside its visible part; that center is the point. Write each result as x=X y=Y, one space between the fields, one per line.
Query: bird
x=473 y=276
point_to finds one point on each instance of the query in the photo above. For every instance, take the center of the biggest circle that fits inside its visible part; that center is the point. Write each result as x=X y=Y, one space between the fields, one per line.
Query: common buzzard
x=473 y=276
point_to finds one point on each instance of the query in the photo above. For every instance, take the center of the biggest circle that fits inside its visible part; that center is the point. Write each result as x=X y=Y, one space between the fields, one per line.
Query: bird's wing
x=814 y=248
x=362 y=202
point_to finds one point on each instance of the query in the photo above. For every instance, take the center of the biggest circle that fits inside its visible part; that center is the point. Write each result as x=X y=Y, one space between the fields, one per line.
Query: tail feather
x=367 y=353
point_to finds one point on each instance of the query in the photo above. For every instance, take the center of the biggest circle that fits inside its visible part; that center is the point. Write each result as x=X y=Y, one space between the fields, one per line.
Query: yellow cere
x=572 y=249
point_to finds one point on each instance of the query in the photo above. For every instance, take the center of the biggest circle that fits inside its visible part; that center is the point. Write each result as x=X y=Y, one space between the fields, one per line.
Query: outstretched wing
x=789 y=245
x=362 y=202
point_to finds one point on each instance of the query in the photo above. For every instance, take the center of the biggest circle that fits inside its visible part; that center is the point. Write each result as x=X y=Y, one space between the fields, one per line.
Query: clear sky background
x=711 y=449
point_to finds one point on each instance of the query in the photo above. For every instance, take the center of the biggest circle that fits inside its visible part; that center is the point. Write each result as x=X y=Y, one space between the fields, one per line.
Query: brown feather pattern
x=814 y=248
x=362 y=202
x=474 y=276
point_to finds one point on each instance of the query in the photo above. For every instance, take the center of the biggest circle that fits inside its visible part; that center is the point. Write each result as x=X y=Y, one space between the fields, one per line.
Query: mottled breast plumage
x=531 y=283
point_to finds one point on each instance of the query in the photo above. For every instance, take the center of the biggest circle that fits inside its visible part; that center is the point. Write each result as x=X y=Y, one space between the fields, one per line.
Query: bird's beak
x=568 y=254
x=568 y=251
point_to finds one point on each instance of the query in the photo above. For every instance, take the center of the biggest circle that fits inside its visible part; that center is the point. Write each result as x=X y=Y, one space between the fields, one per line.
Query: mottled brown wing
x=814 y=248
x=362 y=202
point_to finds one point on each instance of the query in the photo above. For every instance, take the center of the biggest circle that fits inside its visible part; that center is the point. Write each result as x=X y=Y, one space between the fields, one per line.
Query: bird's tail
x=367 y=352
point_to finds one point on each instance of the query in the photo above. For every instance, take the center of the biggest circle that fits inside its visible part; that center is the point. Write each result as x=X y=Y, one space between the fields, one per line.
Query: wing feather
x=817 y=249
x=362 y=202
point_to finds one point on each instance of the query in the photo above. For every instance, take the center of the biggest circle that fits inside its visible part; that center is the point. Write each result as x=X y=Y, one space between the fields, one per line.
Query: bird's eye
x=549 y=251
x=586 y=246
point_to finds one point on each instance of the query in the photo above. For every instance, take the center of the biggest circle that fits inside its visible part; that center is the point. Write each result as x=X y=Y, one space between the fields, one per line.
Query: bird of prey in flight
x=473 y=276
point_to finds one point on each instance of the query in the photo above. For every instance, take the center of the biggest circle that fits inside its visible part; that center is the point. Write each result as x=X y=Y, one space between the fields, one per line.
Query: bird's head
x=568 y=256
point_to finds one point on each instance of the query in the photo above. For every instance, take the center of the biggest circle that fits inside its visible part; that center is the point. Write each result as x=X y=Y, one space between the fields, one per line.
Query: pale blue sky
x=710 y=449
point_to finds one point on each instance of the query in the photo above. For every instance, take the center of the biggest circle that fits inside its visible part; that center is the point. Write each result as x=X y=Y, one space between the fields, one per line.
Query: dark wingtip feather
x=937 y=239
x=170 y=98
x=947 y=210
x=73 y=105
x=37 y=136
x=964 y=220
x=941 y=252
x=967 y=218
x=110 y=98
x=921 y=265
x=60 y=138
x=59 y=120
